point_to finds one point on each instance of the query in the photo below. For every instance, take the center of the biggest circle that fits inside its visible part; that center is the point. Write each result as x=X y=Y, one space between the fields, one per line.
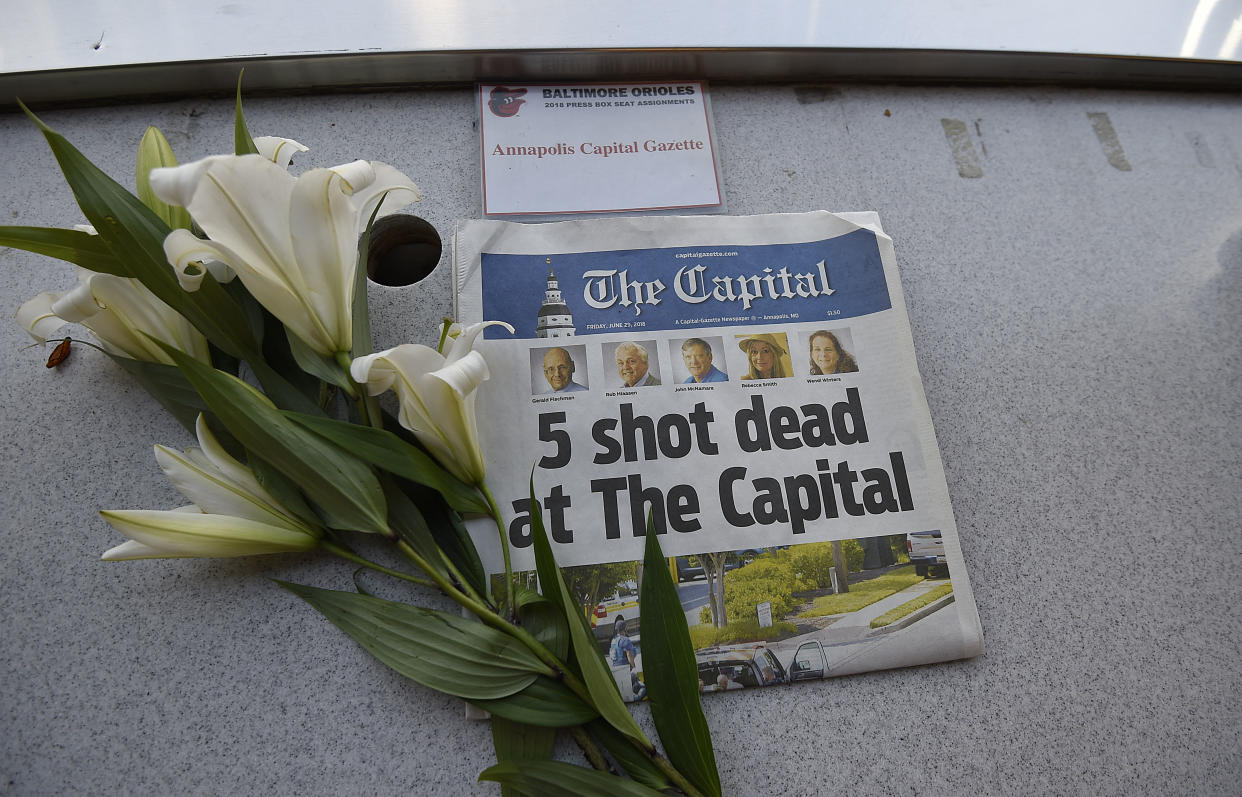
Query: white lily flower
x=121 y=312
x=232 y=514
x=437 y=394
x=293 y=242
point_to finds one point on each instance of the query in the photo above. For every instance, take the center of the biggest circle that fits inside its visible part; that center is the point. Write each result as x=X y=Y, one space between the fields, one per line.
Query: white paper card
x=596 y=148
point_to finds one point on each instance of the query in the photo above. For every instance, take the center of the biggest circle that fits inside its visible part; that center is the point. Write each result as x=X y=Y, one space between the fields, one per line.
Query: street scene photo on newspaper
x=749 y=383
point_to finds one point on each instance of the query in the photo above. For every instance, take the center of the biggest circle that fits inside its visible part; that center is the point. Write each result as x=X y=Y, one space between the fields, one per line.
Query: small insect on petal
x=59 y=354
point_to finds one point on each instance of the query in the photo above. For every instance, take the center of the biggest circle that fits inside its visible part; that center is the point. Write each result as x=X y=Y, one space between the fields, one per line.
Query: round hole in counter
x=403 y=250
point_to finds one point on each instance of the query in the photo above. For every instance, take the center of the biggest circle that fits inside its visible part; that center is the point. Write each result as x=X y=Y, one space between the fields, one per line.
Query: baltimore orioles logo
x=506 y=102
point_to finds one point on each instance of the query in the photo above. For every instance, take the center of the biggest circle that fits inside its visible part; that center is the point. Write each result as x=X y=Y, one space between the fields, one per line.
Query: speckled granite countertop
x=1072 y=262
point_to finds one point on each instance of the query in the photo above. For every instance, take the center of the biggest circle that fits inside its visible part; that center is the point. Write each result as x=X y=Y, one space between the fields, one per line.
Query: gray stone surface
x=1079 y=330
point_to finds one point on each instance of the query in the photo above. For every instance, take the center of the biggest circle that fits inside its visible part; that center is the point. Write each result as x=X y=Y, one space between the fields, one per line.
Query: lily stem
x=368 y=405
x=342 y=359
x=464 y=584
x=333 y=548
x=562 y=672
x=590 y=749
x=510 y=608
x=670 y=772
x=490 y=617
x=372 y=408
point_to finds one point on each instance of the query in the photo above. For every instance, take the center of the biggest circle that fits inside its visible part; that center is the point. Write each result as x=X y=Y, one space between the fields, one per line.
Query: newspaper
x=750 y=384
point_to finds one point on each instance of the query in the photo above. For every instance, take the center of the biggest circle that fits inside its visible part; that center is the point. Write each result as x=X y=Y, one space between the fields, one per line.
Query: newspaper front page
x=748 y=382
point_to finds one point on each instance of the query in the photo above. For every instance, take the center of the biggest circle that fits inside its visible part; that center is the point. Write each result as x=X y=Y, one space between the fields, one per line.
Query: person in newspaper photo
x=768 y=355
x=621 y=652
x=828 y=356
x=633 y=365
x=696 y=353
x=558 y=371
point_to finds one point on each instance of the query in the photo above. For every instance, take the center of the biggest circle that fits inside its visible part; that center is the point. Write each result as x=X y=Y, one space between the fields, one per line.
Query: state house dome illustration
x=555 y=320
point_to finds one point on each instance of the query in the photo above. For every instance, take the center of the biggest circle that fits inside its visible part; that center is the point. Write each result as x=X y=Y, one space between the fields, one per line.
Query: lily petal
x=235 y=472
x=242 y=203
x=192 y=257
x=464 y=342
x=323 y=226
x=132 y=549
x=217 y=495
x=182 y=534
x=36 y=316
x=356 y=175
x=220 y=459
x=389 y=186
x=78 y=303
x=176 y=184
x=278 y=150
x=465 y=375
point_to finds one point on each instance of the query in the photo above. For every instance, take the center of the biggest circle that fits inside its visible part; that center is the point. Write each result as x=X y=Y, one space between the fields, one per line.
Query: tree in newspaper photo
x=234 y=292
x=768 y=617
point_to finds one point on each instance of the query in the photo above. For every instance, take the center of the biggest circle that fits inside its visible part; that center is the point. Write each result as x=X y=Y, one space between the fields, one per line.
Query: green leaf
x=517 y=741
x=450 y=533
x=315 y=364
x=636 y=765
x=243 y=142
x=524 y=596
x=343 y=487
x=672 y=674
x=281 y=488
x=74 y=246
x=286 y=384
x=385 y=450
x=436 y=649
x=409 y=523
x=595 y=673
x=558 y=779
x=255 y=313
x=276 y=354
x=283 y=392
x=222 y=360
x=226 y=439
x=168 y=386
x=154 y=152
x=546 y=622
x=545 y=702
x=135 y=236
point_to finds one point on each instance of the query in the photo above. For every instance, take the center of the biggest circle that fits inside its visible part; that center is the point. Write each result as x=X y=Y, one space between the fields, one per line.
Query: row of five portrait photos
x=706 y=359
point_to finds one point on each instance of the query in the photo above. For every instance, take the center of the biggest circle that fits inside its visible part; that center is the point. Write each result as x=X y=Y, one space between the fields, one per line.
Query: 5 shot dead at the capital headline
x=744 y=499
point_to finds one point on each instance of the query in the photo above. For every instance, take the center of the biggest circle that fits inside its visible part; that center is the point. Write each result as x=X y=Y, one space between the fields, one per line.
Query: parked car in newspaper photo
x=728 y=667
x=621 y=605
x=926 y=549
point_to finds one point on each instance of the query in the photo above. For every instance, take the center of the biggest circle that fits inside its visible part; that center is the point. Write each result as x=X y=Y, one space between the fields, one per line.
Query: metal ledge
x=387 y=71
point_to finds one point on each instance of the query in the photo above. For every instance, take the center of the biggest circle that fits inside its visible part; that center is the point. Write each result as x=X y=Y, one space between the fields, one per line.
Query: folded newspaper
x=748 y=383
